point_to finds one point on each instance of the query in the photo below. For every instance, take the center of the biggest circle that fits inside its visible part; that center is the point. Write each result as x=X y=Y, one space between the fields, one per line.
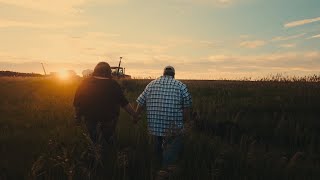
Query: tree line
x=18 y=74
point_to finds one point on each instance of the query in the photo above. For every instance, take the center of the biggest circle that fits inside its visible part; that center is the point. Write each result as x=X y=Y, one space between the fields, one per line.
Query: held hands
x=138 y=113
x=135 y=117
x=134 y=114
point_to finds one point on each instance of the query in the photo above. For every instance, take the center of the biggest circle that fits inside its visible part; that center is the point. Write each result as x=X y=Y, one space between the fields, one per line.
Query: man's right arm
x=188 y=124
x=139 y=109
x=141 y=101
x=187 y=103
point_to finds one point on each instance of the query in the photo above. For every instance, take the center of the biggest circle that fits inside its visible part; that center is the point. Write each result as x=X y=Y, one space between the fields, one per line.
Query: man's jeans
x=168 y=149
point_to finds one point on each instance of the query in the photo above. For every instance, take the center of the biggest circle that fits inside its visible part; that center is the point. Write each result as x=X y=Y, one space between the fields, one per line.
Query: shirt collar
x=166 y=76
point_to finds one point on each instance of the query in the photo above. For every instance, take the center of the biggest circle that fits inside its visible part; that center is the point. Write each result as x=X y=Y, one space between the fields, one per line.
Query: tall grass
x=267 y=129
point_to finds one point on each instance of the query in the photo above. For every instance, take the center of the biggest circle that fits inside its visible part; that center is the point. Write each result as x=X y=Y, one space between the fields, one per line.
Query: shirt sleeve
x=186 y=97
x=141 y=100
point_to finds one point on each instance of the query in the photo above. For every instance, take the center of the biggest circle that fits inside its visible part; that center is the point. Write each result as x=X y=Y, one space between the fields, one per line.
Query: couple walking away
x=166 y=100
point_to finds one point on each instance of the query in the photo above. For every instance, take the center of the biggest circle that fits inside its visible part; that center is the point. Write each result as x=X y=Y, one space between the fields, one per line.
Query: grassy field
x=268 y=129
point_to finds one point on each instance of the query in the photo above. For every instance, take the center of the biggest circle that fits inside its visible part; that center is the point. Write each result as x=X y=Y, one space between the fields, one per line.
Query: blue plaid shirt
x=165 y=99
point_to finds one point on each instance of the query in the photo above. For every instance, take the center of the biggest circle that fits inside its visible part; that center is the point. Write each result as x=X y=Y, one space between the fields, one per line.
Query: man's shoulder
x=178 y=83
x=155 y=81
x=163 y=80
x=169 y=81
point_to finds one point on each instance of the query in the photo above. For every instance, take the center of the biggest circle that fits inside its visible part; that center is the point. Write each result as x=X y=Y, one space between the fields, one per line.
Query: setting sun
x=63 y=75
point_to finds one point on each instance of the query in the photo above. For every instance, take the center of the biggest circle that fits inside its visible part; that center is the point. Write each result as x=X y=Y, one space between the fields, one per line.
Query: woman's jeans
x=100 y=132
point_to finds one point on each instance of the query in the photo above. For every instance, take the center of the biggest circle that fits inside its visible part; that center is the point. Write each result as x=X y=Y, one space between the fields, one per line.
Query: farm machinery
x=119 y=72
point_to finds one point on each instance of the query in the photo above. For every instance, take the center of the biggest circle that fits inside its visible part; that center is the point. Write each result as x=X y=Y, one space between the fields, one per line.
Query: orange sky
x=202 y=39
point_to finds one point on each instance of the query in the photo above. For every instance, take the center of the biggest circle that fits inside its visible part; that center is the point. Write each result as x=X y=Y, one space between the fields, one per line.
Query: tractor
x=118 y=72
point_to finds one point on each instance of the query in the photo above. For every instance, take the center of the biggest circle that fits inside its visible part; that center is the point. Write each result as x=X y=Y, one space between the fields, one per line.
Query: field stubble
x=240 y=130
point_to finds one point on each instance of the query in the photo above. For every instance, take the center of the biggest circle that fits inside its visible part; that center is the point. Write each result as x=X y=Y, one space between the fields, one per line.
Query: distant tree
x=87 y=73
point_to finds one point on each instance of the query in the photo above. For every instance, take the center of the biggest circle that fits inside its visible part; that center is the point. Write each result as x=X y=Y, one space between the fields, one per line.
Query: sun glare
x=63 y=75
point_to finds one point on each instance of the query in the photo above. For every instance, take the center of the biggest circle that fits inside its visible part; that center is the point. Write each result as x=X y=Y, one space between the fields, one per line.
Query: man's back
x=165 y=99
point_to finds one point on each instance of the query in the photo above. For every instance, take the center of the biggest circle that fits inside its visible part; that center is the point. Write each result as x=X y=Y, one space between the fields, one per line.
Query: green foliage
x=266 y=129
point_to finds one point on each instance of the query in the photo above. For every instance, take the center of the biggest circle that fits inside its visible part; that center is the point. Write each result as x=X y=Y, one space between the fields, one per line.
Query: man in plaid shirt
x=167 y=103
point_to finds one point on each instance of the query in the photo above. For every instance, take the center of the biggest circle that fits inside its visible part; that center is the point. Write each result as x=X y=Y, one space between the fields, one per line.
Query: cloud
x=315 y=36
x=243 y=59
x=215 y=3
x=252 y=44
x=57 y=6
x=286 y=38
x=4 y=23
x=312 y=55
x=301 y=22
x=308 y=60
x=219 y=58
x=225 y=1
x=245 y=36
x=44 y=14
x=288 y=45
x=233 y=66
x=208 y=43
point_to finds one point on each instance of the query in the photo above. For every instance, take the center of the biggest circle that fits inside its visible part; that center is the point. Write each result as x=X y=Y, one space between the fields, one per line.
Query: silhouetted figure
x=98 y=100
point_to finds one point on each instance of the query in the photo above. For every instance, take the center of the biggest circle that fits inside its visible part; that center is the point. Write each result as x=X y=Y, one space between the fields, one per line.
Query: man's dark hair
x=102 y=69
x=168 y=73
